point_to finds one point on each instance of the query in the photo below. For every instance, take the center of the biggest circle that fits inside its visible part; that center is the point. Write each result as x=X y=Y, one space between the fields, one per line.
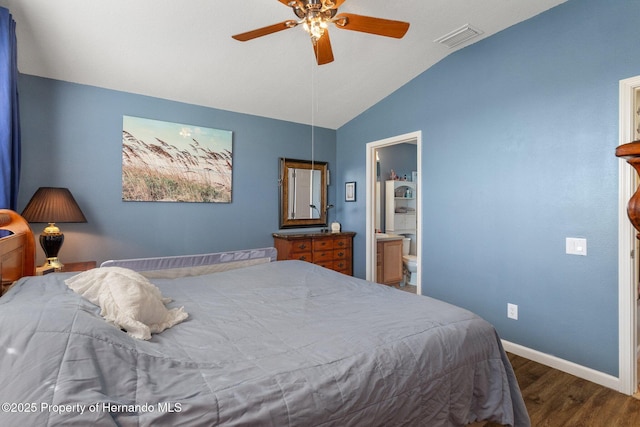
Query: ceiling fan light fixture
x=315 y=26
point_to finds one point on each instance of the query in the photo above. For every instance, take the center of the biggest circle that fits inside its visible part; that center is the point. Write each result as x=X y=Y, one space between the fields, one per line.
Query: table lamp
x=51 y=205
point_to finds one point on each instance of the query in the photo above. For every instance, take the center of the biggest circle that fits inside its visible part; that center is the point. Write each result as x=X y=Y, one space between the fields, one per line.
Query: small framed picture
x=350 y=192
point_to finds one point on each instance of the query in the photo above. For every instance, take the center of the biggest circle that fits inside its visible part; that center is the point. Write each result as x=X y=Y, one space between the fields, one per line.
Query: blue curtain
x=9 y=117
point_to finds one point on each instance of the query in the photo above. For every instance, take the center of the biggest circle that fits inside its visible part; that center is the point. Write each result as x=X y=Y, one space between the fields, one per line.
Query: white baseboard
x=579 y=371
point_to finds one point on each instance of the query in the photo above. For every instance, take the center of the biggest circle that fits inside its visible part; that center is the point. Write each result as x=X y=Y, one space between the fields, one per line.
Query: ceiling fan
x=315 y=16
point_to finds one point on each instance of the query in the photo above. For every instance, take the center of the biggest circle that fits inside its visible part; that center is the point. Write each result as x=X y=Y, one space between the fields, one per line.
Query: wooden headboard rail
x=17 y=251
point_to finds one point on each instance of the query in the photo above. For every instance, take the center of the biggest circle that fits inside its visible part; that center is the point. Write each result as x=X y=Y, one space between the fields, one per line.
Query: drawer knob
x=302 y=246
x=303 y=258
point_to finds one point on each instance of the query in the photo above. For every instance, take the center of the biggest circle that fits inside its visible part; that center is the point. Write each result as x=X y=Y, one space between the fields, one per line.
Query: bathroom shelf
x=405 y=220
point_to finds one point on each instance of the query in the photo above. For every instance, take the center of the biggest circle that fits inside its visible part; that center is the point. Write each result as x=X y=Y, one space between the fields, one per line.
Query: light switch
x=576 y=246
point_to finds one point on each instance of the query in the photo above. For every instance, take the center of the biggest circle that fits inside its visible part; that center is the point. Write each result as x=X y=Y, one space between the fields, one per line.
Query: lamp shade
x=50 y=205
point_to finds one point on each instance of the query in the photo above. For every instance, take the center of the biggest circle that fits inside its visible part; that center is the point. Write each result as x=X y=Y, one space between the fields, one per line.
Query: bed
x=265 y=343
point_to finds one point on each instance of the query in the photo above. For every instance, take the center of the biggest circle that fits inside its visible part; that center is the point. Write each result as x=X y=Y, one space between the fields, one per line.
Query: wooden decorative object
x=631 y=153
x=17 y=251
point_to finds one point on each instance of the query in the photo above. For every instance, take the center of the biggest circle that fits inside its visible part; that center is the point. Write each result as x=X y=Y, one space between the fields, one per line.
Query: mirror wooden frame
x=285 y=189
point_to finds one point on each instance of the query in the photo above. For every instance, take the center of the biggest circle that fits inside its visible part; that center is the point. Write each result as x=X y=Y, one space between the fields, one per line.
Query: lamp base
x=54 y=263
x=51 y=241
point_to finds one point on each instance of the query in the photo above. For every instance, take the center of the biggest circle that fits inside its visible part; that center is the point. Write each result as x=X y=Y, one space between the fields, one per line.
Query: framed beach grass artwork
x=172 y=162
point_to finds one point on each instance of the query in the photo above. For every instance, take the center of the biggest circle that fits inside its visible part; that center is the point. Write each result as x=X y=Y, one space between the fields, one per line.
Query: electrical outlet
x=512 y=311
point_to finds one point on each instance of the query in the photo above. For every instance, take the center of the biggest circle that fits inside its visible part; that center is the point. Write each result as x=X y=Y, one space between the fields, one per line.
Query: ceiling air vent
x=459 y=36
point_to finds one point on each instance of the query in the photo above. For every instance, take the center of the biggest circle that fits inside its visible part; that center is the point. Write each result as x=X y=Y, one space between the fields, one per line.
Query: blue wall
x=519 y=133
x=72 y=137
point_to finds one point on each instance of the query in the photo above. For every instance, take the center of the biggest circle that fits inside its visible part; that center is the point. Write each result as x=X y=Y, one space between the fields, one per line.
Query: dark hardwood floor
x=554 y=398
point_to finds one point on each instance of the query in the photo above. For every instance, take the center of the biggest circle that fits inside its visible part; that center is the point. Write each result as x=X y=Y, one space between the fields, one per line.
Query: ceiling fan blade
x=249 y=35
x=322 y=49
x=368 y=24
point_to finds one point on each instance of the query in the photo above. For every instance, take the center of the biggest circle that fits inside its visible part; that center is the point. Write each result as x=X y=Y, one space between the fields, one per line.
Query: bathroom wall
x=402 y=158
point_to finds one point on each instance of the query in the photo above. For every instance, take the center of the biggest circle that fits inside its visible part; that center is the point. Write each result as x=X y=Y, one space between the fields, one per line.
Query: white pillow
x=127 y=300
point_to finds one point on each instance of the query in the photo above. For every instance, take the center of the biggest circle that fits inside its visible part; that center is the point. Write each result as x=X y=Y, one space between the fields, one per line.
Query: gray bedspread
x=279 y=344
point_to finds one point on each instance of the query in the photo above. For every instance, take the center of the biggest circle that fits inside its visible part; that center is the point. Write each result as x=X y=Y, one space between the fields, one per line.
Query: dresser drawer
x=341 y=242
x=325 y=264
x=302 y=245
x=341 y=253
x=322 y=244
x=322 y=256
x=343 y=266
x=301 y=256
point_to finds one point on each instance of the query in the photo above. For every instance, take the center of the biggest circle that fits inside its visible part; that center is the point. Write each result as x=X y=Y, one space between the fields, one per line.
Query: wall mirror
x=303 y=193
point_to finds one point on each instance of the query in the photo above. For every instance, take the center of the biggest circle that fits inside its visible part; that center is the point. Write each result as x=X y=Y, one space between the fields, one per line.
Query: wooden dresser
x=329 y=250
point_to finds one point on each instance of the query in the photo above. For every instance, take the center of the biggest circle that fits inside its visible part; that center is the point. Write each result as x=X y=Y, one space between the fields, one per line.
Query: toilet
x=410 y=262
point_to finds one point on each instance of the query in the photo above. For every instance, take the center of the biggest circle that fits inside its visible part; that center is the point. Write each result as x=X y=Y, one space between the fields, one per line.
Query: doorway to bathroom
x=406 y=150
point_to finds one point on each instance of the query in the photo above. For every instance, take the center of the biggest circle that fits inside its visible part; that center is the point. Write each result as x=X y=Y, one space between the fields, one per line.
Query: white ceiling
x=182 y=50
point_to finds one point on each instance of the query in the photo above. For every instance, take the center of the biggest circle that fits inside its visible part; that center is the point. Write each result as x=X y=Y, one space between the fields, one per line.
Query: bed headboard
x=191 y=265
x=17 y=249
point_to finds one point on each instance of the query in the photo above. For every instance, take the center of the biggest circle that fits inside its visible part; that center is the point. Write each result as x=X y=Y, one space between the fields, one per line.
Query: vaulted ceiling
x=182 y=50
